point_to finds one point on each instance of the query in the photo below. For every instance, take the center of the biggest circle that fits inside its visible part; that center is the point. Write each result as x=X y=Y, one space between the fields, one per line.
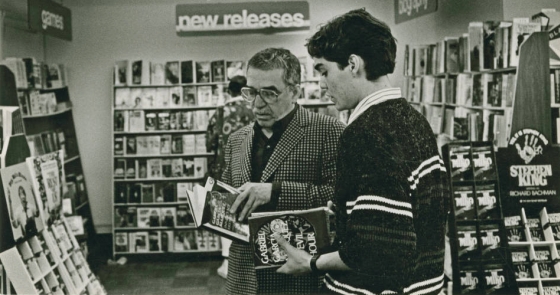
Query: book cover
x=47 y=173
x=154 y=238
x=141 y=72
x=204 y=95
x=22 y=203
x=203 y=72
x=200 y=167
x=185 y=241
x=174 y=120
x=120 y=73
x=184 y=216
x=172 y=72
x=460 y=163
x=167 y=241
x=187 y=72
x=121 y=242
x=189 y=96
x=141 y=241
x=122 y=97
x=166 y=167
x=163 y=120
x=489 y=36
x=135 y=193
x=175 y=97
x=487 y=202
x=189 y=143
x=154 y=144
x=177 y=168
x=218 y=71
x=464 y=202
x=484 y=166
x=157 y=74
x=201 y=120
x=76 y=224
x=130 y=172
x=182 y=189
x=452 y=54
x=121 y=193
x=476 y=43
x=168 y=216
x=235 y=68
x=200 y=143
x=520 y=31
x=143 y=216
x=136 y=121
x=161 y=100
x=150 y=121
x=177 y=144
x=147 y=193
x=118 y=145
x=306 y=230
x=187 y=120
x=165 y=144
x=188 y=167
x=213 y=241
x=210 y=207
x=201 y=240
x=154 y=168
x=120 y=167
x=148 y=97
x=120 y=119
x=121 y=220
x=141 y=145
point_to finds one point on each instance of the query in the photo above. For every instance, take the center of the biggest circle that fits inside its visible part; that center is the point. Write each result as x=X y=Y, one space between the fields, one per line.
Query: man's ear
x=295 y=90
x=355 y=62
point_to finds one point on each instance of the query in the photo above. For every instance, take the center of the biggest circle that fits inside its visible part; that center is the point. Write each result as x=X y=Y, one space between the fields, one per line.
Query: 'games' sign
x=247 y=17
x=50 y=18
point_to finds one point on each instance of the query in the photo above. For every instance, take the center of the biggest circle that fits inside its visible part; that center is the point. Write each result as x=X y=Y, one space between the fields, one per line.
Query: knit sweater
x=391 y=201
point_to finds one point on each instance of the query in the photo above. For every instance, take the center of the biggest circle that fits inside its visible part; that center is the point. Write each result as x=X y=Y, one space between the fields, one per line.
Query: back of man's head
x=235 y=85
x=277 y=58
x=356 y=32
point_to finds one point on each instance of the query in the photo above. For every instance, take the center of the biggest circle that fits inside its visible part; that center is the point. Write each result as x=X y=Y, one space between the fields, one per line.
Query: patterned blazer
x=304 y=161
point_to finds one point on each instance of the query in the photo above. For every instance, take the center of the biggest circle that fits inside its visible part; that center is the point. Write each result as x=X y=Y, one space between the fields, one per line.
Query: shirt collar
x=373 y=99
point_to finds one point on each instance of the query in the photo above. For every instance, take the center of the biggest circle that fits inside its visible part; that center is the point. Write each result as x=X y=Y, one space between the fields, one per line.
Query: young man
x=391 y=185
x=284 y=161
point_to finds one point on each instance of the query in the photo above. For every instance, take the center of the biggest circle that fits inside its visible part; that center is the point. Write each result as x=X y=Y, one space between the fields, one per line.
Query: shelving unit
x=144 y=202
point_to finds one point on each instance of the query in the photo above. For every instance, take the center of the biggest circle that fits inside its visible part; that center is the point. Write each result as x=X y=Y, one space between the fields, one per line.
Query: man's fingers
x=244 y=186
x=238 y=201
x=246 y=209
x=281 y=241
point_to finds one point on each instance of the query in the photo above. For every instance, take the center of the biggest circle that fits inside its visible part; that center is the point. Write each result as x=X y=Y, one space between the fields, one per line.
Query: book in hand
x=306 y=230
x=210 y=209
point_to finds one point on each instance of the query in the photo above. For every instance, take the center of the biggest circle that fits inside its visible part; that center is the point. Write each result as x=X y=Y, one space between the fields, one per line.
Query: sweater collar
x=373 y=99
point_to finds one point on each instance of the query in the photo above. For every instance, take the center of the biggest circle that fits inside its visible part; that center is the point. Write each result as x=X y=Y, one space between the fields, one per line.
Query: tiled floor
x=152 y=274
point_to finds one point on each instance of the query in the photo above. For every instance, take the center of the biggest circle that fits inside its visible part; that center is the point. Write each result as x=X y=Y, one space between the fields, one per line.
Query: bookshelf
x=159 y=153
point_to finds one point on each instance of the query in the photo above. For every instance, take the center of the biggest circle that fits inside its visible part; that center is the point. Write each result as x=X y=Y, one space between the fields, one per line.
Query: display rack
x=50 y=262
x=159 y=152
x=480 y=256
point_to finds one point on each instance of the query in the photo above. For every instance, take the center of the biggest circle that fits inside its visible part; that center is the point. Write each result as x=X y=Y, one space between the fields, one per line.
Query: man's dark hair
x=356 y=32
x=278 y=58
x=235 y=85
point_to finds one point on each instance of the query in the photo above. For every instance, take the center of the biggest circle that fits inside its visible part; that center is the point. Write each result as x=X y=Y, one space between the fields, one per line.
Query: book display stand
x=480 y=256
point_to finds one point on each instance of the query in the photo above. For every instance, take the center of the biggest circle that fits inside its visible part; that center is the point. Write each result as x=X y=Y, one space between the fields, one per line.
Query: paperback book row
x=51 y=141
x=144 y=72
x=534 y=242
x=170 y=97
x=35 y=102
x=150 y=193
x=487 y=45
x=470 y=90
x=50 y=262
x=32 y=74
x=160 y=144
x=140 y=120
x=76 y=194
x=148 y=217
x=161 y=168
x=166 y=241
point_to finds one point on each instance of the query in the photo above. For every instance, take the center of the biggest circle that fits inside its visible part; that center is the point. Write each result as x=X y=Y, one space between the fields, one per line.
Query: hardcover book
x=147 y=193
x=189 y=96
x=148 y=97
x=119 y=146
x=161 y=100
x=210 y=208
x=176 y=144
x=177 y=168
x=121 y=242
x=218 y=71
x=122 y=97
x=130 y=172
x=154 y=168
x=137 y=122
x=306 y=230
x=204 y=95
x=175 y=96
x=172 y=72
x=157 y=74
x=134 y=193
x=163 y=120
x=165 y=144
x=203 y=72
x=121 y=73
x=151 y=121
x=187 y=72
x=168 y=216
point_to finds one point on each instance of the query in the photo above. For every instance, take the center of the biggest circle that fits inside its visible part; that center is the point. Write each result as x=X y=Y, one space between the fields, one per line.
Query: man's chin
x=265 y=123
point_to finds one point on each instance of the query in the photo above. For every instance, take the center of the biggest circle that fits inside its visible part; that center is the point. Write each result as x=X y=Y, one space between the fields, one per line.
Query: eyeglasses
x=268 y=95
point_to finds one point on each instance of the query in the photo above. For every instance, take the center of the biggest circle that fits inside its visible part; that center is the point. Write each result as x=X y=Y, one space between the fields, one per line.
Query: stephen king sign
x=529 y=170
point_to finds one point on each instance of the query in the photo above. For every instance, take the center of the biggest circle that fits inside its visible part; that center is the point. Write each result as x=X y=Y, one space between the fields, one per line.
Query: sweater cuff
x=275 y=194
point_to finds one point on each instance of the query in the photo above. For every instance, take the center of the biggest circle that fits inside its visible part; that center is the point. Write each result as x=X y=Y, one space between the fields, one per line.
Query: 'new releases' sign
x=409 y=9
x=50 y=18
x=248 y=17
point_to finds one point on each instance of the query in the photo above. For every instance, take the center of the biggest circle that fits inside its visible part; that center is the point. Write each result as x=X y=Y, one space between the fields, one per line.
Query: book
x=122 y=97
x=168 y=216
x=189 y=143
x=154 y=144
x=490 y=29
x=166 y=167
x=161 y=100
x=23 y=204
x=174 y=120
x=141 y=72
x=157 y=74
x=187 y=120
x=187 y=72
x=184 y=216
x=204 y=95
x=121 y=242
x=167 y=241
x=120 y=166
x=520 y=31
x=135 y=193
x=141 y=242
x=130 y=172
x=218 y=71
x=137 y=121
x=76 y=224
x=185 y=241
x=175 y=97
x=177 y=144
x=48 y=177
x=189 y=96
x=200 y=167
x=154 y=239
x=476 y=46
x=165 y=144
x=203 y=72
x=148 y=97
x=177 y=168
x=210 y=209
x=154 y=168
x=306 y=230
x=163 y=120
x=182 y=189
x=172 y=72
x=150 y=121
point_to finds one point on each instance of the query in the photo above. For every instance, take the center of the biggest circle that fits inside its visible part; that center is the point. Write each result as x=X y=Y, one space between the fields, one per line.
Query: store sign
x=530 y=171
x=247 y=17
x=50 y=18
x=408 y=9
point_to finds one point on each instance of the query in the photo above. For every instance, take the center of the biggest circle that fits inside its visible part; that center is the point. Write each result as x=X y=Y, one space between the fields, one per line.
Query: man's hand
x=253 y=195
x=297 y=262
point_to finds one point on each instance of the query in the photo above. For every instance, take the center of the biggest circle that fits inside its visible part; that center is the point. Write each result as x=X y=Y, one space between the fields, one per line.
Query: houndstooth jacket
x=304 y=161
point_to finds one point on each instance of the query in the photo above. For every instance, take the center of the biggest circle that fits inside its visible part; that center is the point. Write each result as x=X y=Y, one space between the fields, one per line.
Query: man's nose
x=259 y=102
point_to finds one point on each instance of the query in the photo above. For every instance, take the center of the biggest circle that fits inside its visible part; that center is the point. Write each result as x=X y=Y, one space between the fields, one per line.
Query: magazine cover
x=21 y=201
x=47 y=172
x=210 y=208
x=304 y=229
